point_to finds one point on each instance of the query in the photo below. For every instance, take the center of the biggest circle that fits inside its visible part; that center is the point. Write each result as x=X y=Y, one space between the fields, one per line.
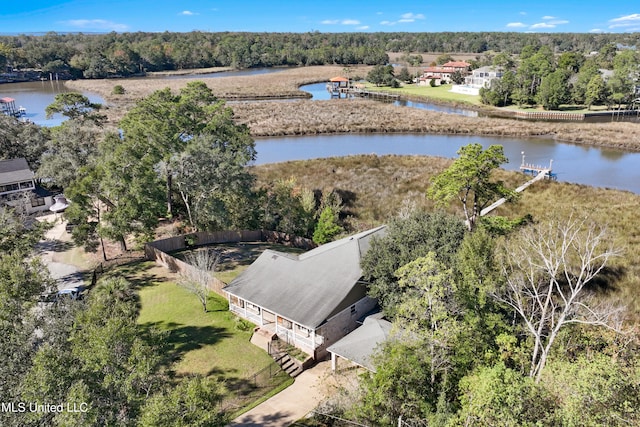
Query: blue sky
x=302 y=16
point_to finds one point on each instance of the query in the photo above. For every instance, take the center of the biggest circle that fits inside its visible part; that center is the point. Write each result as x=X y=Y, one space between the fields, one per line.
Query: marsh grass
x=380 y=186
x=305 y=117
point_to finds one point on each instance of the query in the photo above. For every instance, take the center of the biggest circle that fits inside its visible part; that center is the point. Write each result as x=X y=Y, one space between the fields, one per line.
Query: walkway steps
x=289 y=365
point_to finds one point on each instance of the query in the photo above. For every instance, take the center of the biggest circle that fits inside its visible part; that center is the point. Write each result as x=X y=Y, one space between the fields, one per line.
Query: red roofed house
x=442 y=73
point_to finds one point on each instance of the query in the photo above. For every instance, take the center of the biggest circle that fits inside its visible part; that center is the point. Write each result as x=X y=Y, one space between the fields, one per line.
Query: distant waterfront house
x=484 y=76
x=18 y=188
x=309 y=300
x=442 y=73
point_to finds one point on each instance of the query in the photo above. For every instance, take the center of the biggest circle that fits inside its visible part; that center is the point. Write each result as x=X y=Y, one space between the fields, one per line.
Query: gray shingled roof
x=309 y=288
x=15 y=170
x=360 y=344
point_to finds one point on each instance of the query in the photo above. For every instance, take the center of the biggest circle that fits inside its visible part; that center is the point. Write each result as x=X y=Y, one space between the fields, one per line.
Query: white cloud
x=559 y=22
x=412 y=16
x=523 y=13
x=541 y=25
x=96 y=24
x=625 y=22
x=340 y=22
x=547 y=17
x=187 y=13
x=516 y=25
x=632 y=17
x=404 y=19
x=364 y=27
x=596 y=30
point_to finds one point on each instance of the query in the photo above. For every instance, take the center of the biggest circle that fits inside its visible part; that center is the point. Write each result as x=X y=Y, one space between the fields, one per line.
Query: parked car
x=74 y=293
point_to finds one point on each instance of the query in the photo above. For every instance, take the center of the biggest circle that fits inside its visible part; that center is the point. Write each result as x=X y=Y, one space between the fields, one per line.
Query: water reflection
x=572 y=163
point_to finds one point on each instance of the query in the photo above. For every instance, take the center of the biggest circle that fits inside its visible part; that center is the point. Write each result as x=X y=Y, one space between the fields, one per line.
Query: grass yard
x=209 y=343
x=437 y=93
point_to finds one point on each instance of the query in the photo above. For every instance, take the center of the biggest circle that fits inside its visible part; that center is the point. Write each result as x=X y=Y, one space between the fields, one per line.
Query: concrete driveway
x=58 y=240
x=309 y=389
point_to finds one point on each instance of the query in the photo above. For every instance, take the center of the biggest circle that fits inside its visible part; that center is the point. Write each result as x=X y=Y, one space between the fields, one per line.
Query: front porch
x=270 y=323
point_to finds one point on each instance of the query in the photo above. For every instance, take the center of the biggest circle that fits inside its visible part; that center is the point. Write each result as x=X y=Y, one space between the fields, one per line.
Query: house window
x=26 y=185
x=353 y=309
x=37 y=201
x=285 y=323
x=253 y=308
x=8 y=187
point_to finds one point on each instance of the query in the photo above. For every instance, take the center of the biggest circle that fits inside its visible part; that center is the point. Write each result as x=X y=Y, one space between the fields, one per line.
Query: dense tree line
x=104 y=55
x=179 y=156
x=539 y=77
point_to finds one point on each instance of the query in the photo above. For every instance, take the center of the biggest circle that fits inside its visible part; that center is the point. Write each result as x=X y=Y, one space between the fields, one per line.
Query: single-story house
x=18 y=188
x=309 y=300
x=360 y=345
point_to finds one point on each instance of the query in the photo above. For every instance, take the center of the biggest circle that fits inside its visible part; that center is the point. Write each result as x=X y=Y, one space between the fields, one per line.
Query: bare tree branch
x=548 y=269
x=196 y=279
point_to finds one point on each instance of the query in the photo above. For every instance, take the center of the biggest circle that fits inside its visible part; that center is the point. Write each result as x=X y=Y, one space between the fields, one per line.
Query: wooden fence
x=159 y=250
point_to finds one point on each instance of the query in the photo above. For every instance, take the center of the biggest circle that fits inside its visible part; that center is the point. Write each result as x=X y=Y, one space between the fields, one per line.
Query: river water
x=573 y=163
x=36 y=96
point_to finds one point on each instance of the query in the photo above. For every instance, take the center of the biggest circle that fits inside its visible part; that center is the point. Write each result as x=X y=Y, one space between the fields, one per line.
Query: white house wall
x=315 y=342
x=341 y=324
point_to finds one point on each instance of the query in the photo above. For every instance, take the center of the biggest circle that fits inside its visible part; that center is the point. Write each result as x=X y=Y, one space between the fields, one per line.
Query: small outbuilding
x=360 y=345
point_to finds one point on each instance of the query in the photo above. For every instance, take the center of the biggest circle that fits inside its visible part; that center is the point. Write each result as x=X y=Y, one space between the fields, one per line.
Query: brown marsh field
x=377 y=188
x=302 y=116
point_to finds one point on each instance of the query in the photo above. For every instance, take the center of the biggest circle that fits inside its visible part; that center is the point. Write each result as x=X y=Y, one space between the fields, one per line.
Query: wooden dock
x=540 y=172
x=354 y=92
x=540 y=176
x=531 y=169
x=363 y=93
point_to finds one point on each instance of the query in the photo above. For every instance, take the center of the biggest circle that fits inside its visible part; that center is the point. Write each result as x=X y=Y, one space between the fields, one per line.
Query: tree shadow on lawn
x=142 y=274
x=181 y=339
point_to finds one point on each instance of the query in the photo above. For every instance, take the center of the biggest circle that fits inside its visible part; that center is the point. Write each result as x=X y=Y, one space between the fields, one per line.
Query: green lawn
x=438 y=92
x=203 y=343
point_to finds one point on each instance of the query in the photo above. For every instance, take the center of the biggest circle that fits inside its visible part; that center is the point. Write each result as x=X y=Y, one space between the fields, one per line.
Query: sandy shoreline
x=305 y=117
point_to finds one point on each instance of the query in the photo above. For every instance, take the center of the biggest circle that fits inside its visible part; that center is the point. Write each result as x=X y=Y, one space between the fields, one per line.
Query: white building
x=480 y=78
x=18 y=188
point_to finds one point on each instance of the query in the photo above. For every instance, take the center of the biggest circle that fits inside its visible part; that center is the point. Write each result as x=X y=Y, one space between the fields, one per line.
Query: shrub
x=118 y=90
